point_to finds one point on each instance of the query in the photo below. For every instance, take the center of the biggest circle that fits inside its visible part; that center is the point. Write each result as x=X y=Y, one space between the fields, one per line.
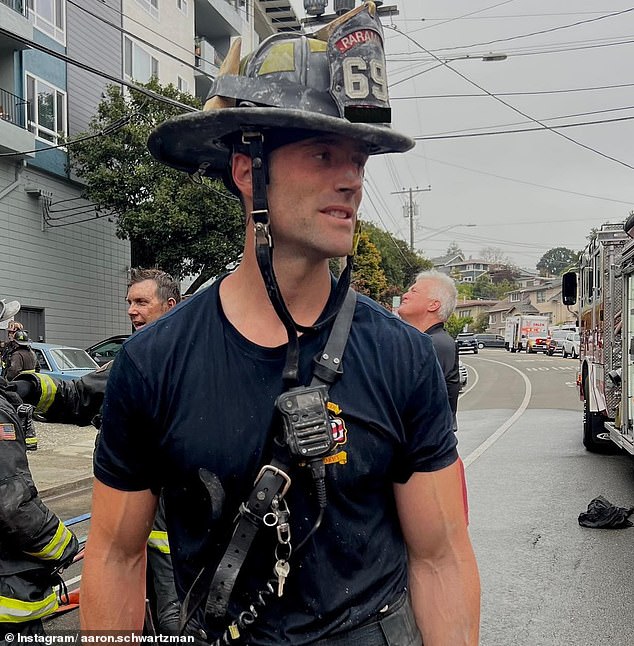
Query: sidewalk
x=63 y=460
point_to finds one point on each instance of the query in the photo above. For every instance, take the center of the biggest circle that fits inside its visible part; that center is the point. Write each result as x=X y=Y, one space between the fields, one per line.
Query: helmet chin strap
x=264 y=257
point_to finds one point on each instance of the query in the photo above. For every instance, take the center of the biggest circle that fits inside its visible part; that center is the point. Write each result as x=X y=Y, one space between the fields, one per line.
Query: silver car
x=571 y=345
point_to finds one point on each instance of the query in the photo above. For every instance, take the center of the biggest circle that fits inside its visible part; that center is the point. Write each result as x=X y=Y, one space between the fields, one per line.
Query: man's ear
x=241 y=173
x=433 y=306
x=170 y=303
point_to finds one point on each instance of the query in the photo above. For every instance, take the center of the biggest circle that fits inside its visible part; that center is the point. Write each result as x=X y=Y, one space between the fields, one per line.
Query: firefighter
x=151 y=293
x=34 y=543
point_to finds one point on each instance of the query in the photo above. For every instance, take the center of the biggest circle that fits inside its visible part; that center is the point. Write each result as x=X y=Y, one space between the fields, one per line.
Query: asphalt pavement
x=63 y=460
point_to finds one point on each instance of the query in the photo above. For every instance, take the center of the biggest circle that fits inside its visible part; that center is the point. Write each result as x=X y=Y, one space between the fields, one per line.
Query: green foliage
x=399 y=263
x=481 y=323
x=455 y=325
x=183 y=227
x=556 y=261
x=368 y=276
x=465 y=291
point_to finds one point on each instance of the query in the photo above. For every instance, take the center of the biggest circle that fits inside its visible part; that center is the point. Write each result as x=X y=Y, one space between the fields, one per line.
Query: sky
x=521 y=193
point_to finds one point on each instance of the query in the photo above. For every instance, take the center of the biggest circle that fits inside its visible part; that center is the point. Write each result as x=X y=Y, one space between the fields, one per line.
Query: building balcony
x=14 y=18
x=14 y=135
x=218 y=20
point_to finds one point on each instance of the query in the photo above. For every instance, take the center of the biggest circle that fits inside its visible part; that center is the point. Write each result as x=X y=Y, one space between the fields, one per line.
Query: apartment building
x=58 y=257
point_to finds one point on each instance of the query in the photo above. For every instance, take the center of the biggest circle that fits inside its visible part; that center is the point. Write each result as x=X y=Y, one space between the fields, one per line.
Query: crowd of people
x=295 y=440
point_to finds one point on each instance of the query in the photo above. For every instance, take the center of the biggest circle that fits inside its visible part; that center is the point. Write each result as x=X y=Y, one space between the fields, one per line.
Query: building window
x=138 y=64
x=541 y=297
x=151 y=6
x=183 y=85
x=47 y=118
x=182 y=6
x=463 y=314
x=49 y=16
x=515 y=297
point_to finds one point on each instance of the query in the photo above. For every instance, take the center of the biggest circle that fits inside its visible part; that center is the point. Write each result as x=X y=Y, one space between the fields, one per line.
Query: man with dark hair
x=151 y=293
x=355 y=531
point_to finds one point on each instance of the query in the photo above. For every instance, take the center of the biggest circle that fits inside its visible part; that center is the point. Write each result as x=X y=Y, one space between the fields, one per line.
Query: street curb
x=66 y=487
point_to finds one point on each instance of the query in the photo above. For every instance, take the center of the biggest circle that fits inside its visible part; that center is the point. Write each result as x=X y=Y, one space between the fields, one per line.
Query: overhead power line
x=554 y=130
x=88 y=68
x=539 y=32
x=146 y=42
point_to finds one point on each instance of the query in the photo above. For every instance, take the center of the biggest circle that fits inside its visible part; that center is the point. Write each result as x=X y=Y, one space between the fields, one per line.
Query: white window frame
x=182 y=6
x=151 y=6
x=55 y=29
x=34 y=126
x=182 y=85
x=128 y=65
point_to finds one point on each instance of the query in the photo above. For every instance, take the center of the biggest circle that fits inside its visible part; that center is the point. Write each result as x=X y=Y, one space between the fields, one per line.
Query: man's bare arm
x=443 y=575
x=113 y=579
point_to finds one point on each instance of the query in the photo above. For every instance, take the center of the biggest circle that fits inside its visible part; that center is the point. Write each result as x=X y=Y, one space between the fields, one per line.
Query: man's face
x=314 y=194
x=418 y=304
x=144 y=303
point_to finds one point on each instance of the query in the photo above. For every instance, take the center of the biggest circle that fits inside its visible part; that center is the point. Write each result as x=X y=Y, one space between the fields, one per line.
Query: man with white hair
x=426 y=305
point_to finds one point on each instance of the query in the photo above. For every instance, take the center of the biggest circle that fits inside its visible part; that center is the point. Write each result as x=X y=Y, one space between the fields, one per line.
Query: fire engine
x=604 y=295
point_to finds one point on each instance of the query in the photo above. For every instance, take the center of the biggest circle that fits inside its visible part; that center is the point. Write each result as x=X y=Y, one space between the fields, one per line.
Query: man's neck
x=305 y=288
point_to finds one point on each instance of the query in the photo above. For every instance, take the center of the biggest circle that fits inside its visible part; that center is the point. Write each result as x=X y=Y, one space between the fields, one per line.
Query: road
x=546 y=581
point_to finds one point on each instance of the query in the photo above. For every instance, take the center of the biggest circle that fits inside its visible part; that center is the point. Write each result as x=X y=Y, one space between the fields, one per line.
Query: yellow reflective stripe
x=31 y=440
x=16 y=611
x=49 y=390
x=56 y=546
x=159 y=541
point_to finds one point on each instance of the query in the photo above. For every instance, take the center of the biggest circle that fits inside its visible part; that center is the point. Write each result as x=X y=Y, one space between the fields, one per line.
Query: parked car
x=556 y=341
x=537 y=343
x=467 y=342
x=464 y=375
x=571 y=345
x=490 y=341
x=63 y=362
x=106 y=350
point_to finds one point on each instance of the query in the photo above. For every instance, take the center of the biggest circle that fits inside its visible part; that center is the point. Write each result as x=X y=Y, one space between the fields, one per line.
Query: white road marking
x=475 y=381
x=495 y=436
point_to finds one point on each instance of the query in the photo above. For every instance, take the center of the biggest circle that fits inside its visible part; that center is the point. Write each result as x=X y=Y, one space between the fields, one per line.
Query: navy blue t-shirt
x=189 y=392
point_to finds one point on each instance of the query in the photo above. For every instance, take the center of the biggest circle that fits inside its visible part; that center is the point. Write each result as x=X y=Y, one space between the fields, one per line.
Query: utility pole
x=411 y=207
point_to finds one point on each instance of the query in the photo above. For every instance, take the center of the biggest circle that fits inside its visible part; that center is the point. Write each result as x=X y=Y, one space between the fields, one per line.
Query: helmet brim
x=189 y=141
x=8 y=310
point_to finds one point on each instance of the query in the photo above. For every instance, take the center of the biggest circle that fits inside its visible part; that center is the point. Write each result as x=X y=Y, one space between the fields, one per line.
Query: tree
x=454 y=249
x=400 y=264
x=555 y=261
x=183 y=227
x=368 y=276
x=481 y=323
x=454 y=325
x=494 y=255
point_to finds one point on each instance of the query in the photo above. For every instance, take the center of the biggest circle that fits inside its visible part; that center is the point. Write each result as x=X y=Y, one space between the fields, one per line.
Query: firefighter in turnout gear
x=151 y=293
x=34 y=543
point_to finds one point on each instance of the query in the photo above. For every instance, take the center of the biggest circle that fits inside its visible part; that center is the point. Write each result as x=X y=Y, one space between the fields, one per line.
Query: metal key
x=281 y=569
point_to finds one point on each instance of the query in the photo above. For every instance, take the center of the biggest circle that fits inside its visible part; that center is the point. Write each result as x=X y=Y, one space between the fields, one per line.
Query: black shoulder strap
x=272 y=482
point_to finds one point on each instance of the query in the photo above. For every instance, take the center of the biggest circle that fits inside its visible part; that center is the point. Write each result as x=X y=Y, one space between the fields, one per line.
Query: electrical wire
x=527 y=93
x=521 y=181
x=104 y=132
x=536 y=33
x=554 y=130
x=88 y=68
x=147 y=42
x=542 y=126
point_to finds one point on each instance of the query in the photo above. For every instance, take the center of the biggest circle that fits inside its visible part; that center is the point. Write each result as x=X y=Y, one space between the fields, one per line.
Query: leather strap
x=273 y=480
